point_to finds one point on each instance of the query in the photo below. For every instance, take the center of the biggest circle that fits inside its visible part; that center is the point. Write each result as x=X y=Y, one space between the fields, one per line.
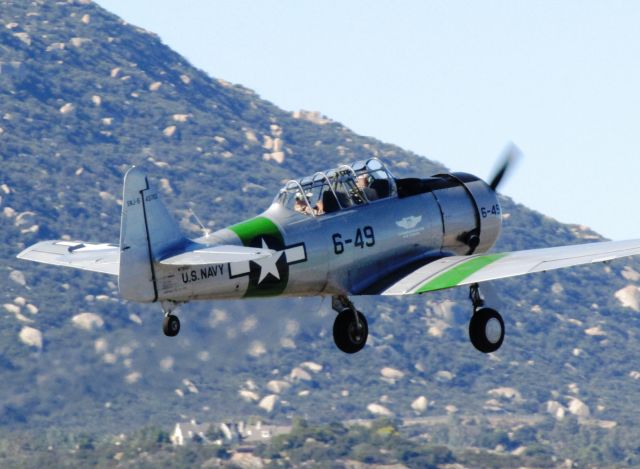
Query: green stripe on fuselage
x=457 y=274
x=253 y=233
x=248 y=230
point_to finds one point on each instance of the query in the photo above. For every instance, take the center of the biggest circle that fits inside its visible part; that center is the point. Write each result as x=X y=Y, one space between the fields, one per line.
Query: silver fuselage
x=347 y=252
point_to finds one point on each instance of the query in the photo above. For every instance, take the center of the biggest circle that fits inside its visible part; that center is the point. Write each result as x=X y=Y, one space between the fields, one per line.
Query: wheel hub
x=493 y=330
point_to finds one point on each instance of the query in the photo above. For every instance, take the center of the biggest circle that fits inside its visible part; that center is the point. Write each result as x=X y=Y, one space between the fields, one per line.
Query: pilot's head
x=362 y=181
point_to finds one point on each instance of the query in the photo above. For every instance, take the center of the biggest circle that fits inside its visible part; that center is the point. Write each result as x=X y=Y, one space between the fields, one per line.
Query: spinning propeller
x=510 y=155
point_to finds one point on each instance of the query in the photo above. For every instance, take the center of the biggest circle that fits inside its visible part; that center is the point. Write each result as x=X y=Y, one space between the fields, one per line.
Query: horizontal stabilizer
x=217 y=255
x=96 y=257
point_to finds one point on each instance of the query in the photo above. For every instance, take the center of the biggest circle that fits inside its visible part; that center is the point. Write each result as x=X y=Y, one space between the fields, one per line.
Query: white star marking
x=268 y=264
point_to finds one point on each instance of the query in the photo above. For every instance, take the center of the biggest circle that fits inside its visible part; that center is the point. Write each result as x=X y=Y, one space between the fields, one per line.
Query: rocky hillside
x=83 y=96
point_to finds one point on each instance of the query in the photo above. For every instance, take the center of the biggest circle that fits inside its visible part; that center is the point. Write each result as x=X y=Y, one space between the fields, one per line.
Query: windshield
x=337 y=189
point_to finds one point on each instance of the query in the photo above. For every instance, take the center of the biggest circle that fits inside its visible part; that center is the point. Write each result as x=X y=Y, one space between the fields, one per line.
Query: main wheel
x=171 y=325
x=347 y=335
x=486 y=330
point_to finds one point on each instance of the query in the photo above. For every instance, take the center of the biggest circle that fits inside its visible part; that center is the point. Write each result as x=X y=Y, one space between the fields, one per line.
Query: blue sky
x=450 y=80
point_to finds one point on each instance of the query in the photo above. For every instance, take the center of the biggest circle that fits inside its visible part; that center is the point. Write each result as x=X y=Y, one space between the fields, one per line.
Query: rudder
x=147 y=232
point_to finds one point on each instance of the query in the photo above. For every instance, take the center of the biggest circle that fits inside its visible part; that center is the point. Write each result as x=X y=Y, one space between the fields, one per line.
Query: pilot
x=301 y=205
x=362 y=182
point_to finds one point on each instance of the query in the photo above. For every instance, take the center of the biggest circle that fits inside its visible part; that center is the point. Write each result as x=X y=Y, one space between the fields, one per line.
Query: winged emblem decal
x=409 y=222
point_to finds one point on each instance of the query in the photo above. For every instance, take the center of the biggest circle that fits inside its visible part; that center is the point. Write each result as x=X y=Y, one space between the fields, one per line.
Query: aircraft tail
x=147 y=232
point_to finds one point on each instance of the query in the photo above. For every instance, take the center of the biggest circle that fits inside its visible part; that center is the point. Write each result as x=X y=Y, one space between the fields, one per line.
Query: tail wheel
x=486 y=330
x=350 y=336
x=171 y=325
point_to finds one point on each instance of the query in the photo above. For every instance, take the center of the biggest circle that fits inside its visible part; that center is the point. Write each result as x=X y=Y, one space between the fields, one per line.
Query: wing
x=102 y=257
x=217 y=255
x=454 y=271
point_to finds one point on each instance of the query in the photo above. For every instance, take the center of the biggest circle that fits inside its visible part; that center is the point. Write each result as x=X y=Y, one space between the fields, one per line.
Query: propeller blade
x=510 y=155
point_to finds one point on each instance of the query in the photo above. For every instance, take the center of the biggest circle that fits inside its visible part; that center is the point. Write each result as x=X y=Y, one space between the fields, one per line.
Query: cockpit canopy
x=346 y=186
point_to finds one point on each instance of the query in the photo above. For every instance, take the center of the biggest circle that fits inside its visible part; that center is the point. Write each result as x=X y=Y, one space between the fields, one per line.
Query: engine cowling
x=471 y=213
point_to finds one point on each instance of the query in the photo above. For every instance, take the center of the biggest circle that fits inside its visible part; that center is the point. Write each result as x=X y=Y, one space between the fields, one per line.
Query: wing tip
x=24 y=254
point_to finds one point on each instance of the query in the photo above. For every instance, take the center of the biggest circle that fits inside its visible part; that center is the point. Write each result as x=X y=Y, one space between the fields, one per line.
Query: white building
x=186 y=432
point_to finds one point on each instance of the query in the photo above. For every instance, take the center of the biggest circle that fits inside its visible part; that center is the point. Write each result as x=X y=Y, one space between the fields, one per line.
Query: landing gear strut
x=171 y=323
x=486 y=328
x=350 y=329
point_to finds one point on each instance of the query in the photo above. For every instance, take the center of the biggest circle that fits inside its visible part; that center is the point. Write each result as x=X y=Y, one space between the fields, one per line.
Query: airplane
x=348 y=231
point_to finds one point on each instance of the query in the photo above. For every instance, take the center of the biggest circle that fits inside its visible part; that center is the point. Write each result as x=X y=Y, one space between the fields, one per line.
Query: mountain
x=84 y=95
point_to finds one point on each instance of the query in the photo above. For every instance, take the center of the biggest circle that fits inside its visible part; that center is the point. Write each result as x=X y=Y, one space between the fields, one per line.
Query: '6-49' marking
x=364 y=238
x=493 y=210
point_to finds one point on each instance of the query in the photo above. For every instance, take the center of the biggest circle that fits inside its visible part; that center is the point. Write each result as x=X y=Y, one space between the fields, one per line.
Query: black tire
x=346 y=334
x=486 y=330
x=171 y=325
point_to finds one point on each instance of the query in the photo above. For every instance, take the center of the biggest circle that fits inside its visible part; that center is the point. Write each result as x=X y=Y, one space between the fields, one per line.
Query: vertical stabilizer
x=147 y=231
